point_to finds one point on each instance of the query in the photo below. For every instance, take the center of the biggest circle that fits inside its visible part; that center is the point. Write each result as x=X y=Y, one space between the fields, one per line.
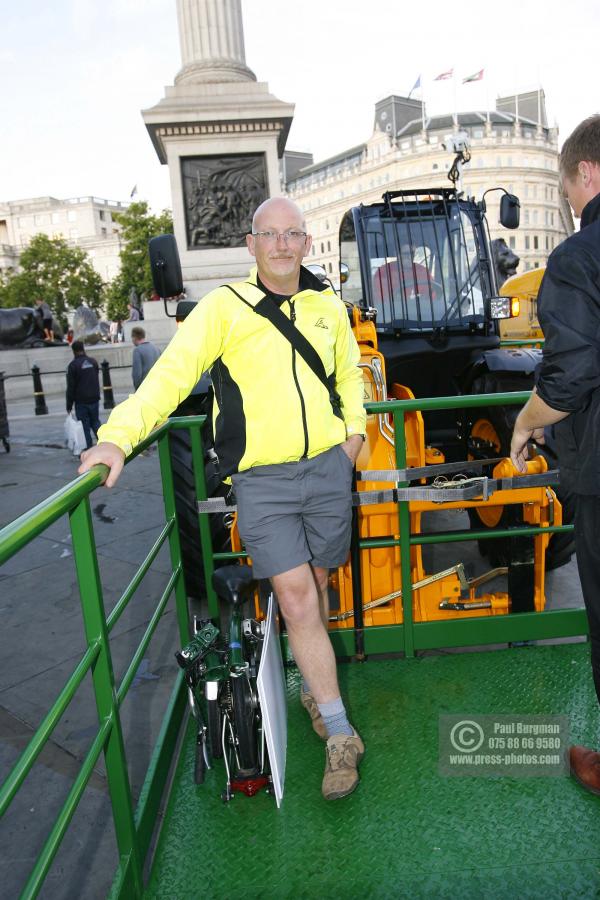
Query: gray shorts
x=292 y=513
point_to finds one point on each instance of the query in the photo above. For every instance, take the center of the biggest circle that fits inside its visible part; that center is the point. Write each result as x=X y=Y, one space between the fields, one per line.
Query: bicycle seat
x=234 y=583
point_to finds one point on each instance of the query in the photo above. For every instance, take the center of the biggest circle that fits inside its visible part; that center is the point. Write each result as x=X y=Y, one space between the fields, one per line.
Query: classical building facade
x=511 y=147
x=85 y=222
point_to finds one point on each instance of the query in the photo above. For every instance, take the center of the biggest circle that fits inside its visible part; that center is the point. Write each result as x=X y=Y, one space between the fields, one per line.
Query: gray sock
x=335 y=718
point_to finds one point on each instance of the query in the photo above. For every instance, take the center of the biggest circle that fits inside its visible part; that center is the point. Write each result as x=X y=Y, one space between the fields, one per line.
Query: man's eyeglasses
x=290 y=237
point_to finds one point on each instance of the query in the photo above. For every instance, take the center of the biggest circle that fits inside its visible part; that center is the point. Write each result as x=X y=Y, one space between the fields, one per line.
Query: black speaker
x=165 y=265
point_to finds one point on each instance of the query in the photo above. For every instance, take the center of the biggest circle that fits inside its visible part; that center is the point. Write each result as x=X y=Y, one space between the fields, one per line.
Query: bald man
x=288 y=444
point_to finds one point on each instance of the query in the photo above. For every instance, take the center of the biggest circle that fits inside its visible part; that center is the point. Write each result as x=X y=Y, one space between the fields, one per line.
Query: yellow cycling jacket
x=270 y=406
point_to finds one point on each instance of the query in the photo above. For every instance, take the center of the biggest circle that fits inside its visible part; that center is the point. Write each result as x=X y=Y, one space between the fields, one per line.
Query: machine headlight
x=504 y=307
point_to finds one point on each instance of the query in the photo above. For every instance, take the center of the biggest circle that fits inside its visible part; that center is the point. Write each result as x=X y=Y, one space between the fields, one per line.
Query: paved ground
x=41 y=639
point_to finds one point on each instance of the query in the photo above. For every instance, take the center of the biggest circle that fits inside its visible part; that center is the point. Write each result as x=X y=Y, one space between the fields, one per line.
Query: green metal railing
x=411 y=635
x=134 y=827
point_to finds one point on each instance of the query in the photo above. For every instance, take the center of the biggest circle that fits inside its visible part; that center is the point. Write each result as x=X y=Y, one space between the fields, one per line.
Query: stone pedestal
x=158 y=326
x=221 y=133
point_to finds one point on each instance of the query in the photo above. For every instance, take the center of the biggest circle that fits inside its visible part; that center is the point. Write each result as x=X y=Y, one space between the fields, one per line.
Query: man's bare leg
x=301 y=593
x=321 y=577
x=301 y=603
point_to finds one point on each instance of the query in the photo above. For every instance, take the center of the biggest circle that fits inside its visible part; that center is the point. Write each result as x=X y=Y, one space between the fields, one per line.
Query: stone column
x=222 y=134
x=212 y=41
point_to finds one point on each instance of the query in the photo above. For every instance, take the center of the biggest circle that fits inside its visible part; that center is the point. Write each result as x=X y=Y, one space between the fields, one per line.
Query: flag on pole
x=476 y=77
x=445 y=75
x=134 y=192
x=416 y=85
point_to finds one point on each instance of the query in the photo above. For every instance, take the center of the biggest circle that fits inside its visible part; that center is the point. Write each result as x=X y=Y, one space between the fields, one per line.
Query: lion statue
x=505 y=260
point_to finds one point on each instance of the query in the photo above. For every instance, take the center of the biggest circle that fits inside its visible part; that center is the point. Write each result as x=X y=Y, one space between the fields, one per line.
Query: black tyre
x=185 y=495
x=490 y=435
x=245 y=724
x=215 y=725
x=199 y=762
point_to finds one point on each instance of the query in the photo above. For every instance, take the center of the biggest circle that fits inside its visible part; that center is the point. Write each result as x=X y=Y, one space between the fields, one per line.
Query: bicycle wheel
x=215 y=724
x=245 y=724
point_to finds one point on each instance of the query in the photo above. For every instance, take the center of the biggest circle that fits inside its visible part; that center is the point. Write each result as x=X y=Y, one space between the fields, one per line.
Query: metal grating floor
x=406 y=831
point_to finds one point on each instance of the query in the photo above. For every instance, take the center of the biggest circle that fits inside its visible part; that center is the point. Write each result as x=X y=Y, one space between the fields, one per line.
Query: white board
x=270 y=684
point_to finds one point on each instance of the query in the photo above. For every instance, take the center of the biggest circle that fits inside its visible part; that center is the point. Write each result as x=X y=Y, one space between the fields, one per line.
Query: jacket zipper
x=302 y=405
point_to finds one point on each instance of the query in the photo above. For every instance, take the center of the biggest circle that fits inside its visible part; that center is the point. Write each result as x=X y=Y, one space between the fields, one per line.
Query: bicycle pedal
x=200 y=644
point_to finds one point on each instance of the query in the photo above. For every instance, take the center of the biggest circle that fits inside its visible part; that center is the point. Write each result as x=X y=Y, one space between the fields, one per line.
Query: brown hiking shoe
x=342 y=756
x=310 y=705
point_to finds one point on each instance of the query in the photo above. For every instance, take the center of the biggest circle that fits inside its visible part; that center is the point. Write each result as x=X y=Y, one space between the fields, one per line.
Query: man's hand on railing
x=107 y=453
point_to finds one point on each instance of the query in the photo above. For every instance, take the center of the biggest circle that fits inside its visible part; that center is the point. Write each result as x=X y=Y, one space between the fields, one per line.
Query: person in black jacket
x=567 y=394
x=83 y=390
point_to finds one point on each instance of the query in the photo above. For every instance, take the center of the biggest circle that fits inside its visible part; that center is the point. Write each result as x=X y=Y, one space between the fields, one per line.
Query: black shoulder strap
x=268 y=309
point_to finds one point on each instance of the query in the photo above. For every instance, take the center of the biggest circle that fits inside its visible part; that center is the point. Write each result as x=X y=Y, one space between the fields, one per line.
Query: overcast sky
x=76 y=73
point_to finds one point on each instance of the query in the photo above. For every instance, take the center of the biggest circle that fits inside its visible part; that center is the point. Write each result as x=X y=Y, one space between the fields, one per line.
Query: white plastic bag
x=74 y=435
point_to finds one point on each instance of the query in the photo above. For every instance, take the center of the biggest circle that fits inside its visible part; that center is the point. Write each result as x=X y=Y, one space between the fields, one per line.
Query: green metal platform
x=406 y=831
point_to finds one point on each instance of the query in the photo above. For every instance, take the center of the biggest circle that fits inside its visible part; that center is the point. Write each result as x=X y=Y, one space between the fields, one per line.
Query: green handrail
x=133 y=828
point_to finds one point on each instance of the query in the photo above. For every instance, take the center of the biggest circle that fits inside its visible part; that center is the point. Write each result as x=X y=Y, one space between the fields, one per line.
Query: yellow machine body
x=526 y=287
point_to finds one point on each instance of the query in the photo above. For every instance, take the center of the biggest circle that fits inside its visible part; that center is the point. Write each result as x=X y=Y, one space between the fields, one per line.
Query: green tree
x=137 y=226
x=62 y=275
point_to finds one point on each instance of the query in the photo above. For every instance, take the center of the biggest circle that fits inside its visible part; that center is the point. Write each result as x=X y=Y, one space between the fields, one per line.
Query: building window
x=536 y=265
x=103 y=232
x=527 y=217
x=512 y=242
x=313 y=250
x=535 y=242
x=329 y=266
x=329 y=246
x=322 y=247
x=527 y=242
x=71 y=216
x=535 y=217
x=101 y=214
x=547 y=242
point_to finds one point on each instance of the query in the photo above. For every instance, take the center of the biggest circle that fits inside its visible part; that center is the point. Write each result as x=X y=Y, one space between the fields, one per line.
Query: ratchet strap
x=440 y=491
x=416 y=473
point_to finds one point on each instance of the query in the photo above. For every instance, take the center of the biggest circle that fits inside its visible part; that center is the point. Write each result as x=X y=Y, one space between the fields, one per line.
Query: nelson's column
x=221 y=133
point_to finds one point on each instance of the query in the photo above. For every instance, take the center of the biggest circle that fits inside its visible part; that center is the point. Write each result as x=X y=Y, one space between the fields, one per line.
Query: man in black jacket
x=567 y=394
x=83 y=390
